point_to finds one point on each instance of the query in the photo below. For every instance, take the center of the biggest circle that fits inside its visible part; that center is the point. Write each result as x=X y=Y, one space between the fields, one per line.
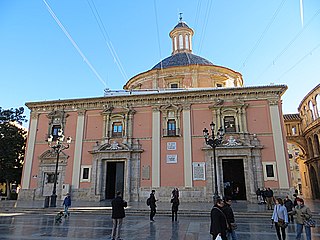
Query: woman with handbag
x=303 y=214
x=280 y=219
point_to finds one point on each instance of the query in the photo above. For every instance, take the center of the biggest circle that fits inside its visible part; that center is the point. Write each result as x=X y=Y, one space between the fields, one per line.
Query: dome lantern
x=181 y=36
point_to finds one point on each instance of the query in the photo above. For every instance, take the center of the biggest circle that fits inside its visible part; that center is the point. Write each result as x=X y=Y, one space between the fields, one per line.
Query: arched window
x=187 y=41
x=311 y=110
x=311 y=155
x=318 y=103
x=316 y=144
x=180 y=42
x=175 y=43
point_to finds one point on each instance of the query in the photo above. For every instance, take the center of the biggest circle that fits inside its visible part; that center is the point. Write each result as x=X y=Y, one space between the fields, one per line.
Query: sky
x=53 y=49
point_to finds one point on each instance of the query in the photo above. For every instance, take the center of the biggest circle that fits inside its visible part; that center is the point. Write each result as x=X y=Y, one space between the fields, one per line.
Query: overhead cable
x=299 y=61
x=288 y=45
x=203 y=33
x=74 y=43
x=107 y=39
x=156 y=16
x=261 y=36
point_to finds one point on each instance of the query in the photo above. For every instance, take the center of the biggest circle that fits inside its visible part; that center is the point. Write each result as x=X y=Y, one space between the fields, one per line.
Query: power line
x=197 y=15
x=299 y=61
x=107 y=39
x=262 y=36
x=73 y=43
x=208 y=10
x=288 y=45
x=156 y=16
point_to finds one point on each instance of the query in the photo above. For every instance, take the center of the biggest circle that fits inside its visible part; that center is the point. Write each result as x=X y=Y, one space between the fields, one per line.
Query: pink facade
x=150 y=136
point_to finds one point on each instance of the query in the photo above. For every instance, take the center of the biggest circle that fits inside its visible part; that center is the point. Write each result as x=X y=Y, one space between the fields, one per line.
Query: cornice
x=191 y=96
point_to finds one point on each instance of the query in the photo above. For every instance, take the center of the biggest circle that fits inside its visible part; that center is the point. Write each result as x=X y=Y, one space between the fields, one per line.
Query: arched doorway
x=314 y=183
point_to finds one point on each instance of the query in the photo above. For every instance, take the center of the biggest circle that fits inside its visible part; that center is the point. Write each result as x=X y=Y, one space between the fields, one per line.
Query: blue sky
x=266 y=41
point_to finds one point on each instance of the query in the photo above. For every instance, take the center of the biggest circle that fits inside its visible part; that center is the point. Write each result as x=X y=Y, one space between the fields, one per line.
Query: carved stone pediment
x=114 y=146
x=50 y=157
x=232 y=142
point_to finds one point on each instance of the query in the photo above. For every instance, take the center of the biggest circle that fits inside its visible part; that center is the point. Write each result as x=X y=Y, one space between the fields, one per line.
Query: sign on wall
x=172 y=158
x=146 y=172
x=171 y=145
x=198 y=170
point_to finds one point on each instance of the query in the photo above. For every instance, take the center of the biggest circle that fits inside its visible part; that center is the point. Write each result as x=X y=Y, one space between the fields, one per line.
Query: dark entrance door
x=233 y=179
x=115 y=179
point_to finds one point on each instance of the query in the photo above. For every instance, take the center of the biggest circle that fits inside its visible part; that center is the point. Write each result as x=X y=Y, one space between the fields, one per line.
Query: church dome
x=182 y=59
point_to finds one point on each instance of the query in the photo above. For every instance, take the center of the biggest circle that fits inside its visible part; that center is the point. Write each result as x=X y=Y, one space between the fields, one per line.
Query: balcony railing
x=171 y=133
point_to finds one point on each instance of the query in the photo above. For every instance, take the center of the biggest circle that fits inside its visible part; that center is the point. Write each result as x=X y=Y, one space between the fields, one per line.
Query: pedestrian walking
x=280 y=219
x=295 y=197
x=175 y=204
x=118 y=205
x=289 y=206
x=263 y=194
x=269 y=197
x=258 y=193
x=152 y=204
x=228 y=212
x=66 y=204
x=303 y=213
x=219 y=223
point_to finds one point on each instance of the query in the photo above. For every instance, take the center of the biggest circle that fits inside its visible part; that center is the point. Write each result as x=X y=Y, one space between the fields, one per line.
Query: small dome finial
x=180 y=18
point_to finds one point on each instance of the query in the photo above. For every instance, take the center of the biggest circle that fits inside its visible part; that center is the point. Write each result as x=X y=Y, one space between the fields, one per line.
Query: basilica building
x=150 y=136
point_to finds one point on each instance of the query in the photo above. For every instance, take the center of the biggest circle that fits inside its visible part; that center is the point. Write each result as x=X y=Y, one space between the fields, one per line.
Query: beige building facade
x=150 y=135
x=303 y=131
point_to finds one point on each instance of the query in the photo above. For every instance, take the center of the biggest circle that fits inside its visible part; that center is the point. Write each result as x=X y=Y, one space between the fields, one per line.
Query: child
x=58 y=217
x=67 y=204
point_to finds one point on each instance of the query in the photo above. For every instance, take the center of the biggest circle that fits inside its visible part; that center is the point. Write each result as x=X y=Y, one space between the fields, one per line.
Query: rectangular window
x=173 y=85
x=85 y=173
x=229 y=124
x=54 y=131
x=171 y=127
x=269 y=171
x=117 y=129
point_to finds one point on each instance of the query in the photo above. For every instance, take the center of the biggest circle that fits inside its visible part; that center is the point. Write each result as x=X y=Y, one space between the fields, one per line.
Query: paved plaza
x=98 y=226
x=93 y=221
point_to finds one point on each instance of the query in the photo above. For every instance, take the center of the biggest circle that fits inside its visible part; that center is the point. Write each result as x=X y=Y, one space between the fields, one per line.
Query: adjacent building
x=303 y=133
x=150 y=135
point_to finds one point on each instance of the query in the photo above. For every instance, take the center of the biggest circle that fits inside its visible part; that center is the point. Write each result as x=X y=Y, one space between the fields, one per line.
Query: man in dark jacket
x=118 y=205
x=228 y=212
x=218 y=221
x=289 y=206
x=269 y=196
x=66 y=204
x=153 y=205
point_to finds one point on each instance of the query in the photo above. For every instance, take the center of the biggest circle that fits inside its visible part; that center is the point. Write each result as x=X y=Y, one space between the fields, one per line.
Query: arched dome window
x=180 y=42
x=175 y=43
x=187 y=41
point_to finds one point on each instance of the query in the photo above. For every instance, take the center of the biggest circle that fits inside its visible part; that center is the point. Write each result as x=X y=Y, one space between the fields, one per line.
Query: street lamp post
x=213 y=142
x=58 y=145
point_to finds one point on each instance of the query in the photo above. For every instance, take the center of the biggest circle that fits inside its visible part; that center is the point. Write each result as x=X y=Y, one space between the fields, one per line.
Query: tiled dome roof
x=182 y=59
x=181 y=24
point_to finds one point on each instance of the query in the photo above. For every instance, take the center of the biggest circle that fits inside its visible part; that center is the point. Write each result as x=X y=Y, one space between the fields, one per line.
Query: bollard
x=46 y=201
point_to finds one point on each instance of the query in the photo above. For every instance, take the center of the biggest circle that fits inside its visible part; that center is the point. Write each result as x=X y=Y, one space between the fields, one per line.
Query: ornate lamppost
x=213 y=142
x=58 y=144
